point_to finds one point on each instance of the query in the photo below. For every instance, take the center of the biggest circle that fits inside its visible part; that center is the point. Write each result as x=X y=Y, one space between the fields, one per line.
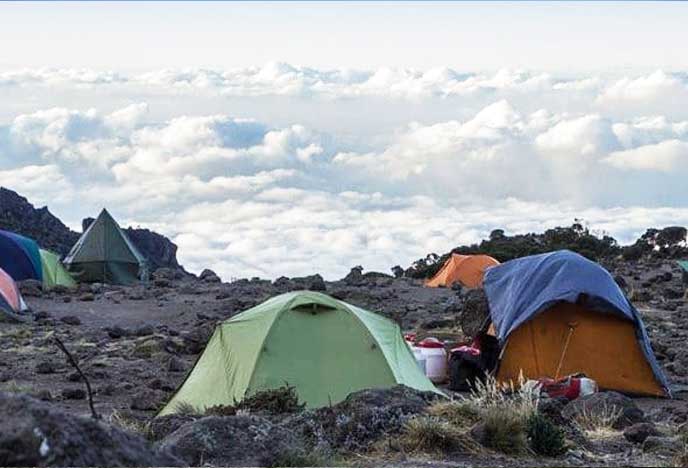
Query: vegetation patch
x=427 y=434
x=544 y=437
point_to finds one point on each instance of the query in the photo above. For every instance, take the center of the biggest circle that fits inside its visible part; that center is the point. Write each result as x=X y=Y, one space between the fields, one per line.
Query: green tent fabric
x=105 y=254
x=683 y=264
x=324 y=348
x=54 y=273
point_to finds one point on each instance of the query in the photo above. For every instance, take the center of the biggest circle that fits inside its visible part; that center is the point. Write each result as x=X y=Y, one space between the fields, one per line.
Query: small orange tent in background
x=468 y=270
x=12 y=305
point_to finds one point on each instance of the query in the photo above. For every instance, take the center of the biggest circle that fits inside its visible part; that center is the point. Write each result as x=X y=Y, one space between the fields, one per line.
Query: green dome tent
x=54 y=273
x=105 y=254
x=324 y=348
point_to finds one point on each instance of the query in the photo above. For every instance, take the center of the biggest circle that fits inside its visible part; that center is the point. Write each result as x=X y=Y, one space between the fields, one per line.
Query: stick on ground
x=73 y=362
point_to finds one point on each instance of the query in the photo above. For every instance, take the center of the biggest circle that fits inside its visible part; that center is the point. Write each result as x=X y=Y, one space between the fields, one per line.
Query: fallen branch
x=73 y=362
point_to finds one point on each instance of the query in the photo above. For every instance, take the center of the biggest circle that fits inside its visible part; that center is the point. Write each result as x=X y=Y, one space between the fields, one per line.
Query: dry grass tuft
x=461 y=413
x=426 y=434
x=599 y=423
x=129 y=423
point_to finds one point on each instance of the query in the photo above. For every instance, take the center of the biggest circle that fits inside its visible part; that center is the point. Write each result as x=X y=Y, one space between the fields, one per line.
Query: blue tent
x=520 y=289
x=20 y=257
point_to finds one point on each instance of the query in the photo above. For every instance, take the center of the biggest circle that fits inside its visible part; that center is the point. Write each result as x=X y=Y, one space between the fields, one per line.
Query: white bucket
x=420 y=359
x=435 y=359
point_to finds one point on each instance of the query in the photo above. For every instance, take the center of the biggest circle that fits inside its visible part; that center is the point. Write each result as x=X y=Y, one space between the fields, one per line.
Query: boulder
x=230 y=441
x=87 y=297
x=637 y=433
x=667 y=446
x=604 y=403
x=362 y=418
x=34 y=433
x=209 y=276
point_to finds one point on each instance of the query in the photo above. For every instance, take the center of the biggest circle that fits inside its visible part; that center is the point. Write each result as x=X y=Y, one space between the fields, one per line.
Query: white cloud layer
x=249 y=196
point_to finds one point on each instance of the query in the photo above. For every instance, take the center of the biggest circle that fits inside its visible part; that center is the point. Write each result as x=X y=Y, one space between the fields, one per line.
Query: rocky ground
x=136 y=344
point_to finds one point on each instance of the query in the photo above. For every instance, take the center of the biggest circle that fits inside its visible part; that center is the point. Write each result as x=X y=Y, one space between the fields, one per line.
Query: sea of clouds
x=284 y=170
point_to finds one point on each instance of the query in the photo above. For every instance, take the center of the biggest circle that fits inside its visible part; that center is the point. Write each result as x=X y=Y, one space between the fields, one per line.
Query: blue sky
x=322 y=136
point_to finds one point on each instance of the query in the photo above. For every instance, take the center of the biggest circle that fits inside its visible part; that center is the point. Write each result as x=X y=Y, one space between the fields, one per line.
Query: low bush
x=544 y=437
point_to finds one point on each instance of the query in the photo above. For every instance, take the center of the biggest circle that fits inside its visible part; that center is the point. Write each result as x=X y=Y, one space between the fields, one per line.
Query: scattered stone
x=71 y=320
x=45 y=367
x=116 y=332
x=43 y=395
x=145 y=330
x=41 y=315
x=87 y=297
x=146 y=400
x=67 y=299
x=175 y=365
x=73 y=394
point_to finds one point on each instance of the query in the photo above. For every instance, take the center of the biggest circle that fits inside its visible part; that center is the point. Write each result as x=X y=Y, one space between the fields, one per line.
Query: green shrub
x=544 y=437
x=274 y=401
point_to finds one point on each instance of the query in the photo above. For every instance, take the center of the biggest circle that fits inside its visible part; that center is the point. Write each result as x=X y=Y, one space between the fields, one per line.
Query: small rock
x=116 y=332
x=145 y=330
x=45 y=367
x=73 y=394
x=87 y=297
x=637 y=433
x=175 y=365
x=71 y=320
x=146 y=400
x=67 y=299
x=40 y=315
x=74 y=377
x=43 y=395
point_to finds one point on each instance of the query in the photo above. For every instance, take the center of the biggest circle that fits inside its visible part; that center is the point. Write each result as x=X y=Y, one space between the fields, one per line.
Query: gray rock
x=662 y=445
x=230 y=441
x=145 y=330
x=209 y=276
x=604 y=402
x=146 y=400
x=74 y=394
x=637 y=433
x=34 y=433
x=116 y=332
x=71 y=320
x=45 y=367
x=87 y=297
x=175 y=365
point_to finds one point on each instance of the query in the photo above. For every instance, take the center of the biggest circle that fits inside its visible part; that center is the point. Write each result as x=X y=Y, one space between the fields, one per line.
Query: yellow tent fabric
x=568 y=339
x=468 y=270
x=53 y=272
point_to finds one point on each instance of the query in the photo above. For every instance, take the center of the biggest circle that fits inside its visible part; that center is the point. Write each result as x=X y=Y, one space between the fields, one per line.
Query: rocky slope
x=18 y=215
x=137 y=343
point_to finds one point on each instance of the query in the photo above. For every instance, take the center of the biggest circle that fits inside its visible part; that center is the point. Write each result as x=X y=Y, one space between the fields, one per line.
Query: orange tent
x=569 y=338
x=465 y=269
